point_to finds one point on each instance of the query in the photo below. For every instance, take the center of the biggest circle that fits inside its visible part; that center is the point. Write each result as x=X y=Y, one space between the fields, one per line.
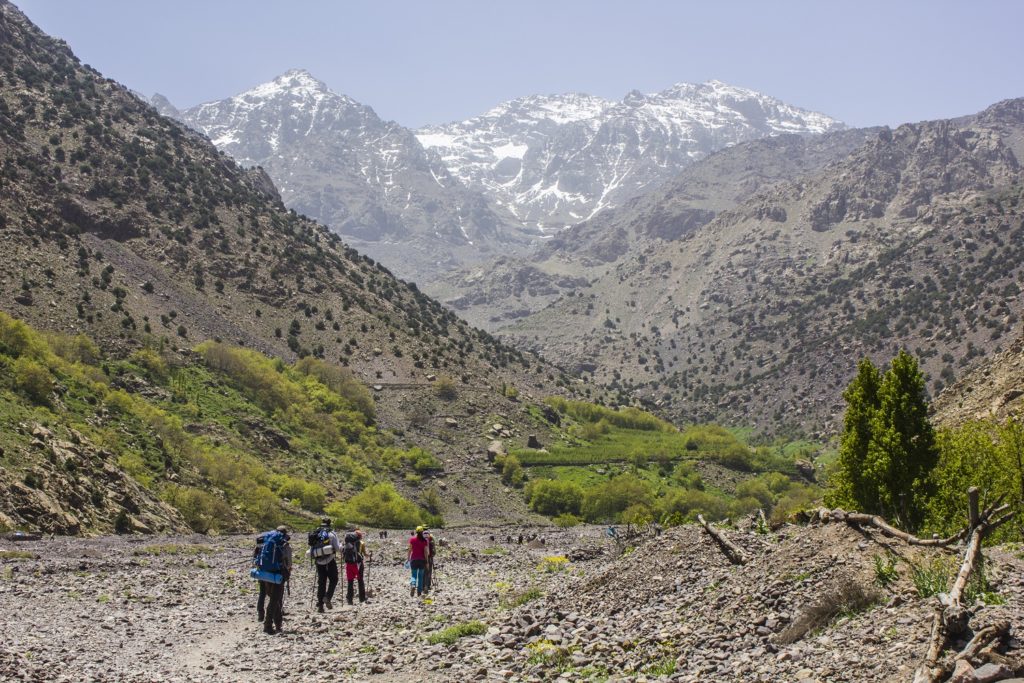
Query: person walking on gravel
x=428 y=570
x=327 y=568
x=418 y=548
x=354 y=554
x=275 y=591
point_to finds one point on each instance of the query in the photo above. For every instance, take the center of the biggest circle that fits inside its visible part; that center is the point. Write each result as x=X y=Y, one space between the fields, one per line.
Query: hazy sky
x=432 y=61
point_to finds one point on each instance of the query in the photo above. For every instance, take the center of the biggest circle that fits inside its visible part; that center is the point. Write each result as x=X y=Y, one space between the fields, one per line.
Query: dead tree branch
x=730 y=549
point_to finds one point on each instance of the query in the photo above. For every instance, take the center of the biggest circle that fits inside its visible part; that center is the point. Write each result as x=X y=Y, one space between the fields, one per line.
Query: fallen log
x=861 y=519
x=730 y=549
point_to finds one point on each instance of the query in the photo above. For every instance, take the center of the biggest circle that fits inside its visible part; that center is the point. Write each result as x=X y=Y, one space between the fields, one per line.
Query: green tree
x=887 y=450
x=849 y=487
x=902 y=451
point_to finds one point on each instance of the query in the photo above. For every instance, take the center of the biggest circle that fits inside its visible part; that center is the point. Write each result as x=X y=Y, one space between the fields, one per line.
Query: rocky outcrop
x=77 y=488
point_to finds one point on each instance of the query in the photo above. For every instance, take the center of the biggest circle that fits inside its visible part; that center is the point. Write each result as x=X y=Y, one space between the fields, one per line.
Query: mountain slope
x=557 y=160
x=759 y=316
x=370 y=180
x=511 y=287
x=134 y=231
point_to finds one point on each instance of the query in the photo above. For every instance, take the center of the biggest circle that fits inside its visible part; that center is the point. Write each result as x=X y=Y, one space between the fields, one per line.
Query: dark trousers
x=261 y=601
x=327 y=581
x=275 y=606
x=428 y=575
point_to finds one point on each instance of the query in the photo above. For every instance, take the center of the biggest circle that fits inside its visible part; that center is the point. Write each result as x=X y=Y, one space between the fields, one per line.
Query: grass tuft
x=451 y=634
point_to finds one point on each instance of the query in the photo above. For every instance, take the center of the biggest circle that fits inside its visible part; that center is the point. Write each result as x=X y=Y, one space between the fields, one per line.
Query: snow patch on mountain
x=555 y=160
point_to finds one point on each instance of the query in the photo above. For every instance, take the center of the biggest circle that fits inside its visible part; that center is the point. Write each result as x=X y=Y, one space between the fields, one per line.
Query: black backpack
x=351 y=549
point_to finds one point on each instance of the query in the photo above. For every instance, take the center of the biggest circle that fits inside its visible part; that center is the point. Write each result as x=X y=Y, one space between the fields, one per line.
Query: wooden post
x=972 y=506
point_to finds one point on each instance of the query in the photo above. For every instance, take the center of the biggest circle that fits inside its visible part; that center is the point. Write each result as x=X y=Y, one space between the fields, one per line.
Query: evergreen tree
x=888 y=449
x=902 y=451
x=850 y=489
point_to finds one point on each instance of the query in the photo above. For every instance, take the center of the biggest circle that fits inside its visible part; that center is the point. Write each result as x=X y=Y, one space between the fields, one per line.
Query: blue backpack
x=268 y=563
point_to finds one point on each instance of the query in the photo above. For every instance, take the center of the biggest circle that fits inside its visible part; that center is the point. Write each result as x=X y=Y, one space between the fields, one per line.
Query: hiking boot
x=260 y=616
x=268 y=631
x=320 y=609
x=412 y=591
x=329 y=605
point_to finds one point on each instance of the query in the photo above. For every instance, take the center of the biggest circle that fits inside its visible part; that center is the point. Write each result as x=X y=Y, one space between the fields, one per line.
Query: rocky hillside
x=994 y=389
x=132 y=230
x=370 y=180
x=557 y=160
x=511 y=287
x=760 y=315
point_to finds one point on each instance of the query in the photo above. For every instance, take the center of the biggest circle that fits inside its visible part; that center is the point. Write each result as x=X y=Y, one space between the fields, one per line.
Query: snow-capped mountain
x=557 y=160
x=370 y=180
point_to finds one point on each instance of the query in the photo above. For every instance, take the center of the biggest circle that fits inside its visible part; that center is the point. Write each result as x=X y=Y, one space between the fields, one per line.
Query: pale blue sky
x=432 y=61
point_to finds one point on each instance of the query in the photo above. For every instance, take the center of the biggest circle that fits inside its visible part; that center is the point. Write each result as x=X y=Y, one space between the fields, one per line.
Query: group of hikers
x=272 y=564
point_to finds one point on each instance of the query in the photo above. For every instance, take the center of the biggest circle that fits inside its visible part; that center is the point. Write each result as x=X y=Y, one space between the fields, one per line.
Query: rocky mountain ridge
x=430 y=200
x=370 y=180
x=557 y=160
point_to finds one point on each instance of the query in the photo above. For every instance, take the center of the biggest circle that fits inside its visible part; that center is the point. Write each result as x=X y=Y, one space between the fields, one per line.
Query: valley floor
x=670 y=608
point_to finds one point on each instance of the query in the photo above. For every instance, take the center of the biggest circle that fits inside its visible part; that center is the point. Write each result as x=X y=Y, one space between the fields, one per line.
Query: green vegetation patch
x=451 y=634
x=16 y=555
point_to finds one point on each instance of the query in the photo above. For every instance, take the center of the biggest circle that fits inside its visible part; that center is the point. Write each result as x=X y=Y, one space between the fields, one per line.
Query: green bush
x=451 y=634
x=686 y=505
x=203 y=512
x=552 y=497
x=33 y=380
x=511 y=469
x=444 y=388
x=382 y=506
x=152 y=362
x=605 y=502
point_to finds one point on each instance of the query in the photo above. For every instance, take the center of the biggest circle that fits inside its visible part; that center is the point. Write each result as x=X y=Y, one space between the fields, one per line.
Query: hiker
x=353 y=555
x=273 y=569
x=418 y=547
x=428 y=570
x=520 y=539
x=324 y=547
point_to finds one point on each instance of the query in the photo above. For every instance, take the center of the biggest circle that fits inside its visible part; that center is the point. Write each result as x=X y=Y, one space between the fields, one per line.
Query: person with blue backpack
x=272 y=567
x=324 y=547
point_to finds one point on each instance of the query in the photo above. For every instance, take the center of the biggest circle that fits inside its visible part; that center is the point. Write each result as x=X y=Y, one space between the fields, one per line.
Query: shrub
x=152 y=363
x=511 y=470
x=451 y=634
x=606 y=501
x=342 y=382
x=551 y=497
x=203 y=512
x=309 y=495
x=33 y=380
x=685 y=505
x=566 y=520
x=444 y=388
x=382 y=506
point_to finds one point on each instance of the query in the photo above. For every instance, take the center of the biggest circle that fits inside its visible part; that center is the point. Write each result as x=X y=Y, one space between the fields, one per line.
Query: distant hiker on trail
x=428 y=570
x=272 y=567
x=418 y=548
x=353 y=553
x=323 y=549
